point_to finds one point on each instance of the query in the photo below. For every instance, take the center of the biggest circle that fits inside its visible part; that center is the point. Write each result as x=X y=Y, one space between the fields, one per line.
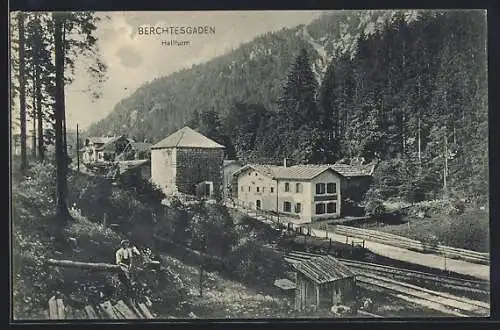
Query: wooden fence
x=411 y=244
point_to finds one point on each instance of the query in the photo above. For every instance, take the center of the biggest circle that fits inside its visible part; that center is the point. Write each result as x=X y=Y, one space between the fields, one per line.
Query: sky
x=134 y=59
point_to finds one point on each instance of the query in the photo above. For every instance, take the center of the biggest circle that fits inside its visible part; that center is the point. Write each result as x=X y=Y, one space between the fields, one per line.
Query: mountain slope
x=253 y=73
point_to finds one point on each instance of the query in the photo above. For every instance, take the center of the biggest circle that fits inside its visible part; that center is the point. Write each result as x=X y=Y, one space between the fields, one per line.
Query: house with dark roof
x=187 y=162
x=304 y=192
x=322 y=281
x=101 y=149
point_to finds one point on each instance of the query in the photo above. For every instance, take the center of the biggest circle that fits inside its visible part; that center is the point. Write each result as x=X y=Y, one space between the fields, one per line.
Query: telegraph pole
x=77 y=151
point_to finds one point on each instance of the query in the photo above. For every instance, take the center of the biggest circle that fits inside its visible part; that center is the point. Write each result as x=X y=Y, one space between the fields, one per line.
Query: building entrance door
x=258 y=204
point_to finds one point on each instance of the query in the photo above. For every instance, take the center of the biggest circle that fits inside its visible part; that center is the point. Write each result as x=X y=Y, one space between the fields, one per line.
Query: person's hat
x=125 y=241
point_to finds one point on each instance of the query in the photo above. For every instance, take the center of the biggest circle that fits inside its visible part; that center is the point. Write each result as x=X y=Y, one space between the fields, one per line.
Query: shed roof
x=323 y=269
x=297 y=172
x=187 y=138
x=131 y=164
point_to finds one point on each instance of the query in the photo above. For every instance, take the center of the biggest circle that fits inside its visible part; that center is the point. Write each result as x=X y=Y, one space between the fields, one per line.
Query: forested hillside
x=252 y=73
x=407 y=87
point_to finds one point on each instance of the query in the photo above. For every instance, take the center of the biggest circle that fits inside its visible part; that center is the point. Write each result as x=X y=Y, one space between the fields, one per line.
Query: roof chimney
x=284 y=162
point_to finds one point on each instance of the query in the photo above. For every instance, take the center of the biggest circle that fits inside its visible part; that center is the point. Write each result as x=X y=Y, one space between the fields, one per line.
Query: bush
x=469 y=231
x=253 y=263
x=375 y=208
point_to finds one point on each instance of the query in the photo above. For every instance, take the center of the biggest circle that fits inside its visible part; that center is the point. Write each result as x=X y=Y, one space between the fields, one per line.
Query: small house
x=103 y=149
x=323 y=282
x=358 y=178
x=187 y=162
x=229 y=168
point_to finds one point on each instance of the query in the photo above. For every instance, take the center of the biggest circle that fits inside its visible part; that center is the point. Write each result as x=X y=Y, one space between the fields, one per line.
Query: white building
x=301 y=191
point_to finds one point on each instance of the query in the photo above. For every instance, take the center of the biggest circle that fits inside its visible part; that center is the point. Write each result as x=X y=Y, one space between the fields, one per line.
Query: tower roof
x=187 y=138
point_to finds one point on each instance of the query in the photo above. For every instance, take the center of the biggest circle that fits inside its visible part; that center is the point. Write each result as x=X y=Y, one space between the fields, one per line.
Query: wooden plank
x=107 y=308
x=53 y=308
x=60 y=309
x=136 y=310
x=145 y=311
x=91 y=313
x=118 y=313
x=125 y=310
x=79 y=314
x=365 y=313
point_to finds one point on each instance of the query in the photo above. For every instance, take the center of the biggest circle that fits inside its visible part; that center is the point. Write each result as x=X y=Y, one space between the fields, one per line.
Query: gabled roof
x=323 y=269
x=141 y=146
x=346 y=170
x=103 y=139
x=187 y=138
x=297 y=172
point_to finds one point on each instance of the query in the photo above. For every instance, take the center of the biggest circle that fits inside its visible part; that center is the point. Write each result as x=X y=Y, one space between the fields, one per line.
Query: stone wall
x=195 y=165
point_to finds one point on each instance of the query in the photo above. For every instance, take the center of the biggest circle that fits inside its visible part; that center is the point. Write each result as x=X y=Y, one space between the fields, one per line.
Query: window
x=287 y=206
x=242 y=188
x=272 y=189
x=298 y=208
x=255 y=173
x=331 y=188
x=320 y=188
x=287 y=186
x=331 y=208
x=263 y=189
x=298 y=187
x=320 y=208
x=249 y=188
x=258 y=189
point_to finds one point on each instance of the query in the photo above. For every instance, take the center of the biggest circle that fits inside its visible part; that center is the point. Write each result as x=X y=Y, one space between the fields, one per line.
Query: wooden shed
x=323 y=282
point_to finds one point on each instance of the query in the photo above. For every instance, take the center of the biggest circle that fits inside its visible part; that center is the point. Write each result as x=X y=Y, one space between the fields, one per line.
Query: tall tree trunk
x=63 y=100
x=445 y=171
x=62 y=208
x=419 y=141
x=38 y=92
x=33 y=116
x=22 y=91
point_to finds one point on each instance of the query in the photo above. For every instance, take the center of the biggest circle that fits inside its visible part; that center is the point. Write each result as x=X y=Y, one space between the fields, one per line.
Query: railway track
x=379 y=277
x=446 y=303
x=480 y=287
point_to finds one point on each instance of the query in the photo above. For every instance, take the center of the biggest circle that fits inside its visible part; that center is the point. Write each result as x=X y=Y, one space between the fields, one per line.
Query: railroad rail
x=478 y=286
x=373 y=275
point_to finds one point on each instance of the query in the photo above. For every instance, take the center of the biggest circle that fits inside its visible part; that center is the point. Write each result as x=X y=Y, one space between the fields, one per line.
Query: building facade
x=300 y=191
x=189 y=163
